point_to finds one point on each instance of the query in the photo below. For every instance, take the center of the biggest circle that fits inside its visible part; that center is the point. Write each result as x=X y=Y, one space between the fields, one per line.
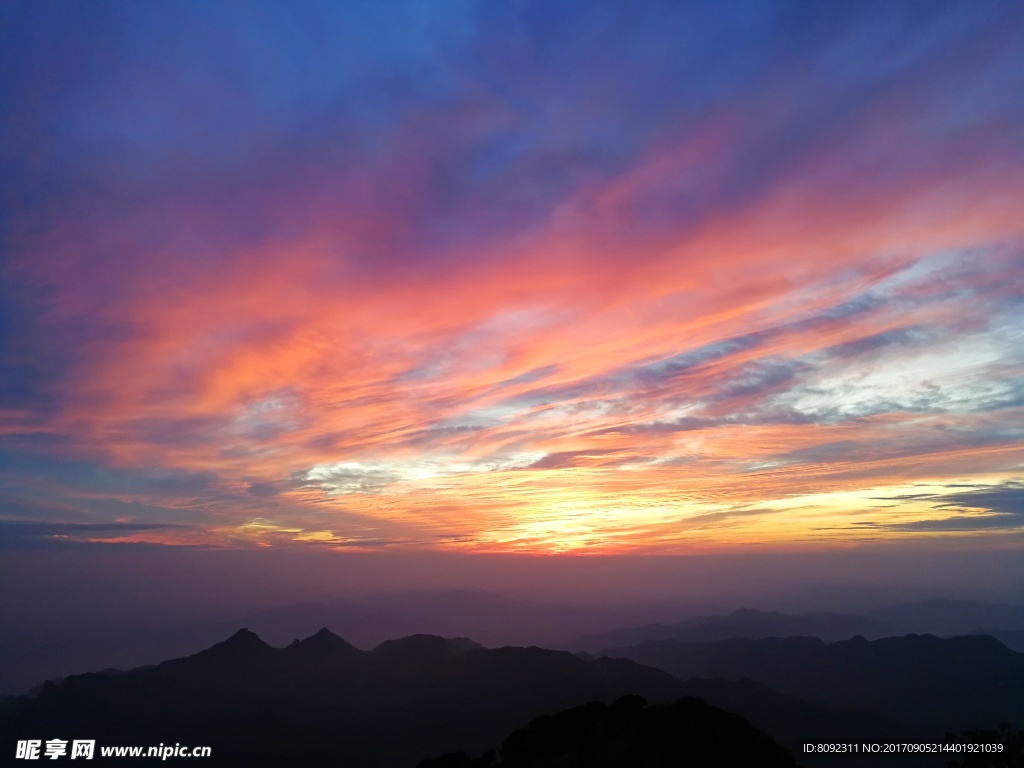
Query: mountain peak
x=244 y=638
x=243 y=643
x=323 y=641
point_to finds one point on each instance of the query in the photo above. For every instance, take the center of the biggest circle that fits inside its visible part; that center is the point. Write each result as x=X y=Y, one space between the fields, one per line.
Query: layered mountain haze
x=489 y=617
x=940 y=617
x=322 y=700
x=744 y=622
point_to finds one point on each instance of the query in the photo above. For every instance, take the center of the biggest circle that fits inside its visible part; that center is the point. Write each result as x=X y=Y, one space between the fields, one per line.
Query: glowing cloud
x=466 y=288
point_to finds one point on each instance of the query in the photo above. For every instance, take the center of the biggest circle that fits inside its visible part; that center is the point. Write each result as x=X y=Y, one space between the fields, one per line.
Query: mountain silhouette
x=1011 y=638
x=241 y=646
x=320 y=701
x=930 y=684
x=31 y=654
x=490 y=618
x=323 y=643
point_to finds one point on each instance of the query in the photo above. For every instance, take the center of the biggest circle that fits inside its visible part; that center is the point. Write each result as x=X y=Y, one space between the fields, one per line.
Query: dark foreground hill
x=630 y=734
x=931 y=685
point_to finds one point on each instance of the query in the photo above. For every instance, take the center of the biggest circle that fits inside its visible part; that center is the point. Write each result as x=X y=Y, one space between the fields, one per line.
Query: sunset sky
x=543 y=277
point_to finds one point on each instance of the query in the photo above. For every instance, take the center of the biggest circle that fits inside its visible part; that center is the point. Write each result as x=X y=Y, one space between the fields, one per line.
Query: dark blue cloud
x=962 y=523
x=1004 y=503
x=1005 y=498
x=92 y=475
x=16 y=529
x=33 y=535
x=878 y=341
x=688 y=362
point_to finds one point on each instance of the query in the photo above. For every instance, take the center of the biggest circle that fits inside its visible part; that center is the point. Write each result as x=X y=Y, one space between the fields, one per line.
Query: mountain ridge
x=402 y=701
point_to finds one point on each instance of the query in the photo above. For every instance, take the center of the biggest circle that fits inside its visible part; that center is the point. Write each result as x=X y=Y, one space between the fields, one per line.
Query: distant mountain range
x=943 y=618
x=742 y=623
